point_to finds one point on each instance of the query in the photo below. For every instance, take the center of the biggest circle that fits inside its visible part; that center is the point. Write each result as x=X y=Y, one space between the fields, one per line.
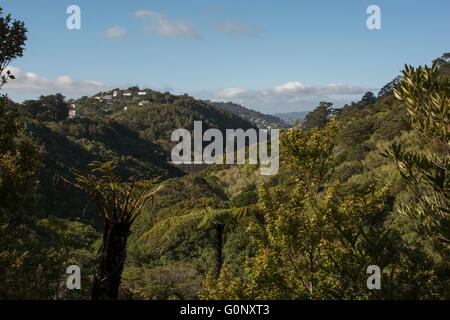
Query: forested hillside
x=136 y=139
x=181 y=240
x=261 y=120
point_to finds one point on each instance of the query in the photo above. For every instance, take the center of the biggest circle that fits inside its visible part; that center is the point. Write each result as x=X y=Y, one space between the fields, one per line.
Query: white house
x=142 y=93
x=72 y=113
x=143 y=103
x=127 y=94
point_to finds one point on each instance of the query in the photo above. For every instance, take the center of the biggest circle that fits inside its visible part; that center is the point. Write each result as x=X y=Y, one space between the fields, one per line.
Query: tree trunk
x=219 y=245
x=112 y=255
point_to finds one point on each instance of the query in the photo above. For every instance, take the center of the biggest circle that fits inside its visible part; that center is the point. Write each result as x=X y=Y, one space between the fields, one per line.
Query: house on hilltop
x=142 y=103
x=72 y=113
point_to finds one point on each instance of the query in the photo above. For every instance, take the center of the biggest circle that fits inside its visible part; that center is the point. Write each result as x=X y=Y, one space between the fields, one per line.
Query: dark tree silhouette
x=369 y=98
x=119 y=203
x=319 y=117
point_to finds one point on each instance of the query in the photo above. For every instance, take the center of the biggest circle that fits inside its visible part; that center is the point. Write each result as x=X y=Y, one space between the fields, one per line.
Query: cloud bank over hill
x=290 y=96
x=29 y=83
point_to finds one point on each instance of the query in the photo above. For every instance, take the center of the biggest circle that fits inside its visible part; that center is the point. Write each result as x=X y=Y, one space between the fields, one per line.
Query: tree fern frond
x=169 y=228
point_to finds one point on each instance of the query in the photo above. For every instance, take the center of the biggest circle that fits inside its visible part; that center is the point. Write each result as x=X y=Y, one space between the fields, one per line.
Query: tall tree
x=319 y=116
x=290 y=243
x=19 y=156
x=443 y=63
x=47 y=108
x=369 y=98
x=119 y=203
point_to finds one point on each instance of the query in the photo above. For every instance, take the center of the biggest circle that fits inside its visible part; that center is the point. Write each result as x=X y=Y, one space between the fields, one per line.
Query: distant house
x=125 y=108
x=108 y=97
x=142 y=93
x=98 y=98
x=127 y=94
x=143 y=103
x=72 y=113
x=74 y=105
x=114 y=94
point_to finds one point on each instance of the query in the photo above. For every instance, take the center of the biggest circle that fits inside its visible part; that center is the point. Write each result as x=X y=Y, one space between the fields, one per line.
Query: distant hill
x=132 y=127
x=290 y=117
x=260 y=119
x=155 y=115
x=161 y=114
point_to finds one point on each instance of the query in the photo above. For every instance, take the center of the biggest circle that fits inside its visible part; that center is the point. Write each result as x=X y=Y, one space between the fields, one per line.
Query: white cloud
x=168 y=28
x=115 y=32
x=290 y=96
x=30 y=83
x=236 y=29
x=231 y=92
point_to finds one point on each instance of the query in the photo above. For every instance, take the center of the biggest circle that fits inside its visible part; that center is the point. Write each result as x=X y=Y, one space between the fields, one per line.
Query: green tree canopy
x=319 y=116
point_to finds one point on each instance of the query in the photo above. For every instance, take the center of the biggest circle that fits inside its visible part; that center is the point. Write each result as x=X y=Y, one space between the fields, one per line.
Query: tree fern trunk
x=112 y=255
x=219 y=245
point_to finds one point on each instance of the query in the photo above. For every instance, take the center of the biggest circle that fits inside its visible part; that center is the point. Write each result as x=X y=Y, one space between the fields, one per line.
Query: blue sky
x=272 y=56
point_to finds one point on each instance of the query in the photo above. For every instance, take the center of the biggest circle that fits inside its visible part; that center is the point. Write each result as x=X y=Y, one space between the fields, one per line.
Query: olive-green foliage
x=247 y=196
x=317 y=238
x=179 y=197
x=19 y=166
x=34 y=258
x=174 y=281
x=427 y=95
